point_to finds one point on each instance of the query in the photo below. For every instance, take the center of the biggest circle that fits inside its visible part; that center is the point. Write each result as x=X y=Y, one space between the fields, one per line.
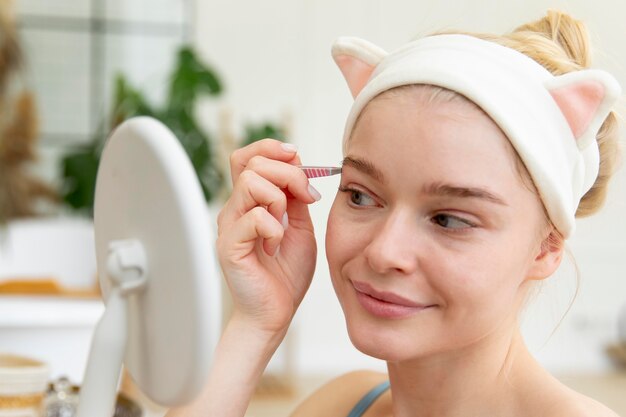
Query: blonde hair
x=561 y=44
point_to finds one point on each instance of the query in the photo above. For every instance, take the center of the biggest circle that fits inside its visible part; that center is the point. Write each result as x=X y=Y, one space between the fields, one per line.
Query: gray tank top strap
x=368 y=399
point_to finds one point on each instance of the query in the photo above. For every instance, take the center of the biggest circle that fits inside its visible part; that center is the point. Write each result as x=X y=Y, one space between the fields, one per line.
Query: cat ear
x=357 y=59
x=585 y=98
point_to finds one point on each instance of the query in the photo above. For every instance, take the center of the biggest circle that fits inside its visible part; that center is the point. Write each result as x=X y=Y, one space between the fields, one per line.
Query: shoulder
x=574 y=404
x=340 y=395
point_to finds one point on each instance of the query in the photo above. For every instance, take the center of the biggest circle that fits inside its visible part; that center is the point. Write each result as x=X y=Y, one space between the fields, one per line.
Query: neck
x=482 y=379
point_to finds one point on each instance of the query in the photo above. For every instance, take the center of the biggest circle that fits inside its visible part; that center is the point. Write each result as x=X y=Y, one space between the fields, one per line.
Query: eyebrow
x=441 y=189
x=437 y=188
x=365 y=167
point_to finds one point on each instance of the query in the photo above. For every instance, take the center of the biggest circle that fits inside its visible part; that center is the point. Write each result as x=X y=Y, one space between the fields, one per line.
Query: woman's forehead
x=442 y=140
x=413 y=117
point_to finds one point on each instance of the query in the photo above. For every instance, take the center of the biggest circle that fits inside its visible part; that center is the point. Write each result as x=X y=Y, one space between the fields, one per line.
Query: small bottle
x=61 y=401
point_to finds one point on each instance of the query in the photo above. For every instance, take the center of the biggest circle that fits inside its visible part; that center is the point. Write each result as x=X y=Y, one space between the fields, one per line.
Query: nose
x=393 y=248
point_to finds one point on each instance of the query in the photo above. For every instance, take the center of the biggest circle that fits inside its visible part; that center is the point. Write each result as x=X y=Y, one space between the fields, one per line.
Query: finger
x=269 y=148
x=244 y=233
x=252 y=190
x=284 y=176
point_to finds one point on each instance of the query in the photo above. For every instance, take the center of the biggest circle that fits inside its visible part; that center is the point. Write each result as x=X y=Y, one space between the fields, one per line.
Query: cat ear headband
x=551 y=121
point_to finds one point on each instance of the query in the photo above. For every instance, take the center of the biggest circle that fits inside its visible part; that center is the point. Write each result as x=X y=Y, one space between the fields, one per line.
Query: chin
x=385 y=342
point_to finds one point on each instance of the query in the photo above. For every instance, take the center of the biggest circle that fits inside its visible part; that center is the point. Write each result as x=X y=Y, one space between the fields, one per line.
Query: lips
x=385 y=304
x=387 y=297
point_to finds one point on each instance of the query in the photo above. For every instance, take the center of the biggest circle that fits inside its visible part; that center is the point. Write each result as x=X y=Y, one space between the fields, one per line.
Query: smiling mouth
x=386 y=304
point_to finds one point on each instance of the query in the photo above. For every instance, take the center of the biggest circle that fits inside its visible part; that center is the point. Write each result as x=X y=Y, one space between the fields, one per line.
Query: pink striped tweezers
x=316 y=172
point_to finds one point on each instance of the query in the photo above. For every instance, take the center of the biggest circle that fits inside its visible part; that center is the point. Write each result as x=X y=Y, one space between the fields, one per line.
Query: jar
x=62 y=399
x=23 y=384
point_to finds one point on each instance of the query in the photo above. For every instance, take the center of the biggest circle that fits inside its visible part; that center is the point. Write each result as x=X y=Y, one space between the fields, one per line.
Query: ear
x=357 y=59
x=548 y=258
x=585 y=99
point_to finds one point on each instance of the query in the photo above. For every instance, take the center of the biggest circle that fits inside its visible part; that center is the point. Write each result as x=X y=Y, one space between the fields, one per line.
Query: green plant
x=190 y=80
x=261 y=131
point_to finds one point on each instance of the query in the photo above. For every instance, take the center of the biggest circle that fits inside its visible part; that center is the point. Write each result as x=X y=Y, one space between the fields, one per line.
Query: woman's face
x=431 y=238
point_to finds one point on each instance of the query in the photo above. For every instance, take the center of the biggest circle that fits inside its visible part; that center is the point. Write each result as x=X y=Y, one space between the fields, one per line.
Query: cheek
x=335 y=248
x=335 y=235
x=345 y=240
x=486 y=285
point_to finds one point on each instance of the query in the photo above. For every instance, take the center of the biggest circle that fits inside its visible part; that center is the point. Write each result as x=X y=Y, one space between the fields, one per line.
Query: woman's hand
x=266 y=244
x=266 y=211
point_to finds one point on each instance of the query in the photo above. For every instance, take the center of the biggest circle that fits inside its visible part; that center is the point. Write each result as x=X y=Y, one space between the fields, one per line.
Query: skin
x=467 y=253
x=468 y=257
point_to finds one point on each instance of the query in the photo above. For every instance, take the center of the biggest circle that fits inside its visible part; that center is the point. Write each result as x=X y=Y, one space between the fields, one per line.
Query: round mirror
x=157 y=271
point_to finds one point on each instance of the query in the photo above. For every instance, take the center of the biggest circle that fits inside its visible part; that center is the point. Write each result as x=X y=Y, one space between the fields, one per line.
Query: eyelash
x=352 y=192
x=469 y=224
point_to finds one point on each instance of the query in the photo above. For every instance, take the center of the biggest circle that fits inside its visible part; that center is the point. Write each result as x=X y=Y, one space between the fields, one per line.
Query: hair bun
x=568 y=33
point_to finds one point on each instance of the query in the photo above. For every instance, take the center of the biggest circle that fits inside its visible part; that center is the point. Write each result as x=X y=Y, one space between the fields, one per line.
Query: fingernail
x=289 y=147
x=285 y=221
x=314 y=193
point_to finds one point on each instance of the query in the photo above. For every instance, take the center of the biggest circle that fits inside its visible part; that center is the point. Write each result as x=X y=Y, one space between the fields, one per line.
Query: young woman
x=467 y=159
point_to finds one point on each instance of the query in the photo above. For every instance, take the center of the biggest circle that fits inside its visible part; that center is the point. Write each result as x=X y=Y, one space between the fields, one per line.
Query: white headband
x=551 y=121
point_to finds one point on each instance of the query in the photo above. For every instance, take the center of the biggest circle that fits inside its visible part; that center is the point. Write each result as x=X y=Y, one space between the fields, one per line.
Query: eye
x=451 y=222
x=358 y=197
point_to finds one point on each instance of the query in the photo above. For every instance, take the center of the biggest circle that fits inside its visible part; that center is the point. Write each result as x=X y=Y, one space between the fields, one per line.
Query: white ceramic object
x=23 y=383
x=54 y=330
x=59 y=248
x=157 y=269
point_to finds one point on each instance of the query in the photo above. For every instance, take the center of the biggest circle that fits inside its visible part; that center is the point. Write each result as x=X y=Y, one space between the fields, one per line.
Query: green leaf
x=79 y=171
x=128 y=102
x=262 y=131
x=190 y=79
